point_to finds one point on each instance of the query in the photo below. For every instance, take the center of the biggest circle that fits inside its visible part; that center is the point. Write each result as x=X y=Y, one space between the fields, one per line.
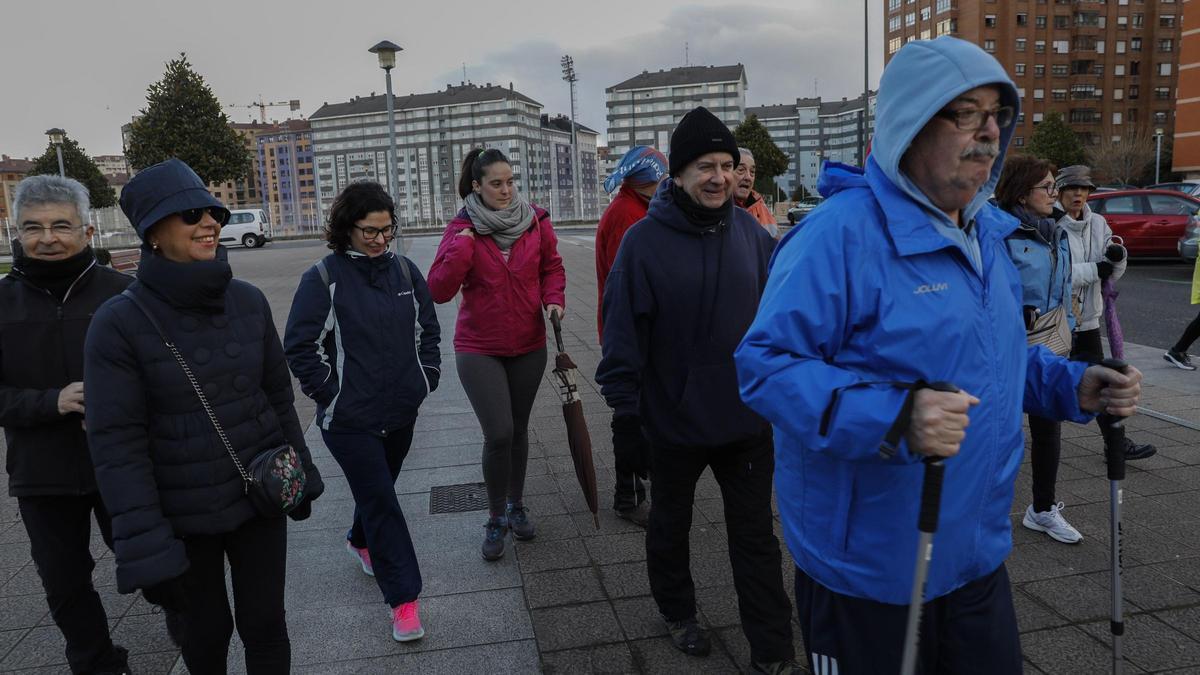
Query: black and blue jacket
x=677 y=302
x=365 y=344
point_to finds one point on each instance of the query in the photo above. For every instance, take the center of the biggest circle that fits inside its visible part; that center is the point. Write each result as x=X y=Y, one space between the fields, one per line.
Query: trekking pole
x=1114 y=457
x=927 y=522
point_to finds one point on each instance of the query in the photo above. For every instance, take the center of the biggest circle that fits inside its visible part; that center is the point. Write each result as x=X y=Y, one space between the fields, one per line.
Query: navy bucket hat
x=163 y=189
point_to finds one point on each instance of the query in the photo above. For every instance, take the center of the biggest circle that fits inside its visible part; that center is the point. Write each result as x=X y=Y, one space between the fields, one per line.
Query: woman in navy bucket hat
x=178 y=502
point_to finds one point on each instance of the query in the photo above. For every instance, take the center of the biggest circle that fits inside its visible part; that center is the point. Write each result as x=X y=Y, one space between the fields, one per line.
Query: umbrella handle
x=556 y=321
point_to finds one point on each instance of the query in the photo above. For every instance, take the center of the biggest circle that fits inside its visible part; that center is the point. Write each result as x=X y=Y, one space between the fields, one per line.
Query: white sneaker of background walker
x=1052 y=523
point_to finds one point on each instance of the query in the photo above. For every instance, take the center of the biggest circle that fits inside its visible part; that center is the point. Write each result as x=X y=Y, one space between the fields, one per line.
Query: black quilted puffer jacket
x=162 y=471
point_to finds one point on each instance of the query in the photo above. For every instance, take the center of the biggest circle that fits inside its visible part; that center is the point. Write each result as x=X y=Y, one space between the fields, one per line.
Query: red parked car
x=1151 y=222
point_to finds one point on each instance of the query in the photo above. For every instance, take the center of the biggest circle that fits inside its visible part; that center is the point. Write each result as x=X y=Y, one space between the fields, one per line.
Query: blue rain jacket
x=867 y=294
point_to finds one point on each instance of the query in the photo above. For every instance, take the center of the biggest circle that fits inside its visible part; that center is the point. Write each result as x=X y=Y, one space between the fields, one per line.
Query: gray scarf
x=504 y=225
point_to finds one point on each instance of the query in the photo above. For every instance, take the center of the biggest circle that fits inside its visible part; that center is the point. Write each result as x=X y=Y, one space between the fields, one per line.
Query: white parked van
x=247 y=227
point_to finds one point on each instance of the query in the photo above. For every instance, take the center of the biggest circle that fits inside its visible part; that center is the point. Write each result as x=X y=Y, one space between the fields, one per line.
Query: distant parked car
x=1187 y=187
x=801 y=208
x=248 y=227
x=1151 y=222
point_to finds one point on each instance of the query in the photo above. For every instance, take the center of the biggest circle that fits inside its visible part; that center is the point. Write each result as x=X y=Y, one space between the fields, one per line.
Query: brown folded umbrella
x=565 y=374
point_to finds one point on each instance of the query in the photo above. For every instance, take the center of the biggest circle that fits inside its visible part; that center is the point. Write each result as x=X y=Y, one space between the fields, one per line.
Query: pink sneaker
x=362 y=556
x=406 y=622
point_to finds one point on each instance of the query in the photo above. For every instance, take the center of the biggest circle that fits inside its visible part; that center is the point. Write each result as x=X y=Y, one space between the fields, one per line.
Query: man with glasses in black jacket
x=46 y=305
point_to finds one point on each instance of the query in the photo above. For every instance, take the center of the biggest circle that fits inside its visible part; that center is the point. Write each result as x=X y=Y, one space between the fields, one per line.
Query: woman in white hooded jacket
x=1094 y=258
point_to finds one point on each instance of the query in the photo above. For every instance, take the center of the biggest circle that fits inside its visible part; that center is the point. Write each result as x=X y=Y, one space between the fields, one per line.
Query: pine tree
x=769 y=160
x=80 y=167
x=184 y=119
x=1054 y=141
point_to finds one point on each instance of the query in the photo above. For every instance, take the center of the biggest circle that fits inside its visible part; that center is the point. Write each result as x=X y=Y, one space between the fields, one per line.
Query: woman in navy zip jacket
x=1042 y=253
x=362 y=338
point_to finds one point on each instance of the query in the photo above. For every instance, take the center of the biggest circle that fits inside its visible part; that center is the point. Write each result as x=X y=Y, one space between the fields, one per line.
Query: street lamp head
x=386 y=51
x=56 y=135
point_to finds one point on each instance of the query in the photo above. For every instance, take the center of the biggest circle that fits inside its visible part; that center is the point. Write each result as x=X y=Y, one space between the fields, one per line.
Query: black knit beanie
x=699 y=133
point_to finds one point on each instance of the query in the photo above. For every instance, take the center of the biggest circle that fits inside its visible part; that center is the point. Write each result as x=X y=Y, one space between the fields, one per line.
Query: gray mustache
x=981 y=151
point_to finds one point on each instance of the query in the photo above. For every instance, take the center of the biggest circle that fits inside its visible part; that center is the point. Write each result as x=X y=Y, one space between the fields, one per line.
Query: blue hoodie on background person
x=880 y=287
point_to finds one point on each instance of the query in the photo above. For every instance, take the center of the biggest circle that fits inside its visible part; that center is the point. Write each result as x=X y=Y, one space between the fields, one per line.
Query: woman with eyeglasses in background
x=501 y=252
x=179 y=503
x=1042 y=254
x=363 y=340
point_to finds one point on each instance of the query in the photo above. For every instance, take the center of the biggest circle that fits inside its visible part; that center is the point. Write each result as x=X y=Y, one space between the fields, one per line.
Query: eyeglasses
x=974 y=119
x=370 y=233
x=1050 y=189
x=193 y=216
x=32 y=231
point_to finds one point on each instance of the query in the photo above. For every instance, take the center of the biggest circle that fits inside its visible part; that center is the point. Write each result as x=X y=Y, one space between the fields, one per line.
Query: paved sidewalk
x=576 y=599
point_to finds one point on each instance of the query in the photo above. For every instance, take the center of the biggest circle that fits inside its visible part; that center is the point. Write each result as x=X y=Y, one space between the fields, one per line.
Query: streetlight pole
x=56 y=139
x=386 y=51
x=1158 y=134
x=568 y=70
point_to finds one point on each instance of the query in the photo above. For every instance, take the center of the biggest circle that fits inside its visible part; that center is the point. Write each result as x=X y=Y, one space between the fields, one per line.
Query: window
x=1164 y=68
x=1119 y=205
x=989 y=46
x=1020 y=44
x=1019 y=69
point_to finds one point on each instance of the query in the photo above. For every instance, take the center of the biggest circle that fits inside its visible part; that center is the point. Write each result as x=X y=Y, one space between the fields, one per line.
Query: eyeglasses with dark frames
x=974 y=119
x=371 y=233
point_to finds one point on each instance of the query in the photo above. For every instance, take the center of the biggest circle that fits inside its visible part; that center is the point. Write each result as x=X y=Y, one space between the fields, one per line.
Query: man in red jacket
x=637 y=175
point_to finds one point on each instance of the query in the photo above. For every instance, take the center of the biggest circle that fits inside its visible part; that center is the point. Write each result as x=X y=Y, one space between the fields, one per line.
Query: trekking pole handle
x=931 y=486
x=556 y=321
x=1114 y=457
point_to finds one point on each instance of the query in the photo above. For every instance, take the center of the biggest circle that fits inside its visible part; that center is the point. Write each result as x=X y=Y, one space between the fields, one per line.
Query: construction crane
x=292 y=105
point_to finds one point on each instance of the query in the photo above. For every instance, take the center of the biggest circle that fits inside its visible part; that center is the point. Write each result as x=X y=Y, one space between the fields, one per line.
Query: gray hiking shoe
x=518 y=520
x=493 y=538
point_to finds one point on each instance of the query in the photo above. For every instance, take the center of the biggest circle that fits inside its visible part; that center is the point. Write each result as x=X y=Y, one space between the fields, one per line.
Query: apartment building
x=1107 y=67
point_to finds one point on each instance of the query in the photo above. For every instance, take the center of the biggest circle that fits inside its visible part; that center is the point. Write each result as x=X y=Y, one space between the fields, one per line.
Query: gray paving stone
x=625 y=580
x=23 y=611
x=575 y=626
x=562 y=587
x=542 y=556
x=610 y=658
x=1068 y=650
x=1150 y=644
x=39 y=647
x=658 y=655
x=518 y=656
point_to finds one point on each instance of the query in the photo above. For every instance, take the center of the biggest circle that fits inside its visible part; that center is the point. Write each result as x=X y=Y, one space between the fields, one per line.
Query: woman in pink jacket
x=501 y=252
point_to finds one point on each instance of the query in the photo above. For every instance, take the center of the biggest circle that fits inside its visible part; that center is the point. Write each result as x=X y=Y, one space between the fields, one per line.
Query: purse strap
x=247 y=479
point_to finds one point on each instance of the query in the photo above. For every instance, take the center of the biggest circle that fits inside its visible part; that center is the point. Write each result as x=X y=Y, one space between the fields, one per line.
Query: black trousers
x=1190 y=335
x=744 y=473
x=257 y=553
x=970 y=630
x=60 y=530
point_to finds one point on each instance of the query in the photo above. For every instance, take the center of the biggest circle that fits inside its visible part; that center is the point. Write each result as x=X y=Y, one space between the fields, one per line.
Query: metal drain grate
x=458 y=498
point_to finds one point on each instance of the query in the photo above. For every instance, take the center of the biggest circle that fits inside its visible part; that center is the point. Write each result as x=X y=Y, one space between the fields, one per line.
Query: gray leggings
x=502 y=390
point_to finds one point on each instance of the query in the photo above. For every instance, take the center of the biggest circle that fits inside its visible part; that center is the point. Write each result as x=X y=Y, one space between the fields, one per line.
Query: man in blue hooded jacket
x=681 y=294
x=900 y=277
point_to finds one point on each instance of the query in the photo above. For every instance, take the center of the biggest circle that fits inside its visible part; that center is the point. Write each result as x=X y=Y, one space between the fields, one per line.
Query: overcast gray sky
x=85 y=65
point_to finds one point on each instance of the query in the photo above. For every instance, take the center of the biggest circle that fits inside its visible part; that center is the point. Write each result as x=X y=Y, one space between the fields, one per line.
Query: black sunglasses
x=193 y=216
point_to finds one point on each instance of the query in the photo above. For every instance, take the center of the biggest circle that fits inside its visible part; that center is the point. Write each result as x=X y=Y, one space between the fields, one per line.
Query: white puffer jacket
x=1089 y=237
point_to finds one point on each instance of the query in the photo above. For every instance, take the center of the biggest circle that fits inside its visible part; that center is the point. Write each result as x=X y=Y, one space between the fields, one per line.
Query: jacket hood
x=920 y=80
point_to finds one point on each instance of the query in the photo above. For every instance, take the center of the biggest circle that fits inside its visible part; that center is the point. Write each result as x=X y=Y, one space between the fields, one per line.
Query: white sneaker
x=1052 y=523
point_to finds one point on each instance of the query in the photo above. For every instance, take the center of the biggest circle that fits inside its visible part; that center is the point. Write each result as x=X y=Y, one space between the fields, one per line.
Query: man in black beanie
x=680 y=296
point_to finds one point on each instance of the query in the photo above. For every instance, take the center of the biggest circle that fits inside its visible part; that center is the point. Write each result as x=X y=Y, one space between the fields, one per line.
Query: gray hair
x=746 y=152
x=51 y=189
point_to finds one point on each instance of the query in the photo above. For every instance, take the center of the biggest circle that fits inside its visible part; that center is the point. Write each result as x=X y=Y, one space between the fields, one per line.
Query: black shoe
x=689 y=637
x=1135 y=451
x=777 y=668
x=1180 y=360
x=638 y=515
